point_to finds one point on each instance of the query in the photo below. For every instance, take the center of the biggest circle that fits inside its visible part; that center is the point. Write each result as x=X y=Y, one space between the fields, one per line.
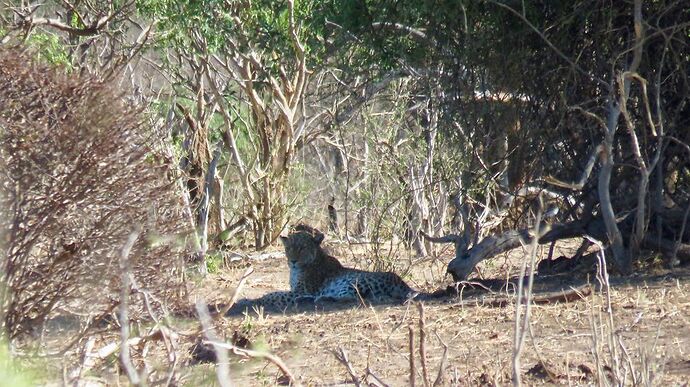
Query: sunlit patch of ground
x=569 y=341
x=650 y=316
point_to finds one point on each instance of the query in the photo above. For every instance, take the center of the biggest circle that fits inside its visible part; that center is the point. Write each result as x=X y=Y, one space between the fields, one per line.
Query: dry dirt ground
x=569 y=342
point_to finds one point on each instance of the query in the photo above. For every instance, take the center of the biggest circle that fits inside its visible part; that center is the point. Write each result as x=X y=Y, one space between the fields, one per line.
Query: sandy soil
x=569 y=341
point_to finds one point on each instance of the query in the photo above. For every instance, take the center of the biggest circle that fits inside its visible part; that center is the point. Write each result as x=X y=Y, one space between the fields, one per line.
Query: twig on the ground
x=166 y=334
x=238 y=290
x=222 y=359
x=171 y=373
x=341 y=356
x=278 y=362
x=422 y=344
x=377 y=379
x=522 y=318
x=442 y=365
x=603 y=278
x=169 y=339
x=371 y=373
x=461 y=286
x=552 y=376
x=125 y=357
x=86 y=364
x=410 y=331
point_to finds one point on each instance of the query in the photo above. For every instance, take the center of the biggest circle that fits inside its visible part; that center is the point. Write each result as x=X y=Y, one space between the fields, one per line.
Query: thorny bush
x=79 y=173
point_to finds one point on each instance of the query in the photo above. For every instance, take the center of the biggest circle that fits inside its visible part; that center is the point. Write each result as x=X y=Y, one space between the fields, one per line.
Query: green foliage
x=75 y=21
x=247 y=325
x=214 y=261
x=50 y=49
x=263 y=25
x=384 y=48
x=12 y=373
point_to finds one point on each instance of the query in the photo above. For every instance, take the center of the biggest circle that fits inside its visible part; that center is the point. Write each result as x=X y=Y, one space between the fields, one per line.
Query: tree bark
x=467 y=259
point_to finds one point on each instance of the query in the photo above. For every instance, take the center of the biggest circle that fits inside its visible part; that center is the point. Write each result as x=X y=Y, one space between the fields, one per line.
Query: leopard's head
x=302 y=246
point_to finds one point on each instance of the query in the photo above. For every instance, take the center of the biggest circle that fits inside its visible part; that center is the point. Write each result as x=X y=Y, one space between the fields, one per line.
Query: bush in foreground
x=79 y=175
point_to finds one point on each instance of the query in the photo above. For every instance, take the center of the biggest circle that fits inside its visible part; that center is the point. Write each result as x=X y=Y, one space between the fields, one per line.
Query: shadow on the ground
x=547 y=289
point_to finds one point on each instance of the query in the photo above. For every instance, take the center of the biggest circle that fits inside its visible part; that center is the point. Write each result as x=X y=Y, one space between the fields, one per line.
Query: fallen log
x=467 y=258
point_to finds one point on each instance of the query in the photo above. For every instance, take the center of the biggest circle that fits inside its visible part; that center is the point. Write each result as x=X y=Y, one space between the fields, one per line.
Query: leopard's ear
x=318 y=238
x=284 y=240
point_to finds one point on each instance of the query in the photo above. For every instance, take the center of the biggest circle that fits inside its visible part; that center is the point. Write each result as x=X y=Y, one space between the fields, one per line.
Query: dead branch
x=621 y=255
x=449 y=238
x=371 y=373
x=410 y=331
x=260 y=355
x=422 y=344
x=85 y=364
x=466 y=259
x=442 y=365
x=524 y=297
x=603 y=278
x=125 y=358
x=414 y=33
x=203 y=210
x=341 y=356
x=238 y=290
x=162 y=333
x=587 y=171
x=69 y=256
x=222 y=359
x=94 y=28
x=551 y=375
x=571 y=295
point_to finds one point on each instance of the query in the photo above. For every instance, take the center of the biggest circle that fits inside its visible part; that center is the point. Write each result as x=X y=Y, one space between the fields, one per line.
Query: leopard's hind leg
x=274 y=302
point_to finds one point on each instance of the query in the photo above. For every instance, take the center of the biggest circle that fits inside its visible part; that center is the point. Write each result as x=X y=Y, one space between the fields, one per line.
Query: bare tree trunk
x=467 y=258
x=218 y=187
x=204 y=210
x=418 y=212
x=621 y=255
x=333 y=217
x=362 y=222
x=275 y=121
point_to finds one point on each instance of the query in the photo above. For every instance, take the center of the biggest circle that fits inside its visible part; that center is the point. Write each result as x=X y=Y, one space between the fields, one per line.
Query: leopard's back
x=354 y=284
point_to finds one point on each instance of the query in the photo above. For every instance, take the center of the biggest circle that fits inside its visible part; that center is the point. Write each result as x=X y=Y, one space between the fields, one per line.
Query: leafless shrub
x=79 y=173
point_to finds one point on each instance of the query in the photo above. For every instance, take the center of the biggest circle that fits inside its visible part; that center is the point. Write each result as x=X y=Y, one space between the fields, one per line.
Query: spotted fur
x=272 y=302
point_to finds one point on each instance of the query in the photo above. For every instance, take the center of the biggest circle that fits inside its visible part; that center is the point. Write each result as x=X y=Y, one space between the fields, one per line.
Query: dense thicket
x=529 y=95
x=82 y=178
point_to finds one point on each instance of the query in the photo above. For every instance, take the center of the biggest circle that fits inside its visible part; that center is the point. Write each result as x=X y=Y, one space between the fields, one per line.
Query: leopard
x=315 y=272
x=316 y=277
